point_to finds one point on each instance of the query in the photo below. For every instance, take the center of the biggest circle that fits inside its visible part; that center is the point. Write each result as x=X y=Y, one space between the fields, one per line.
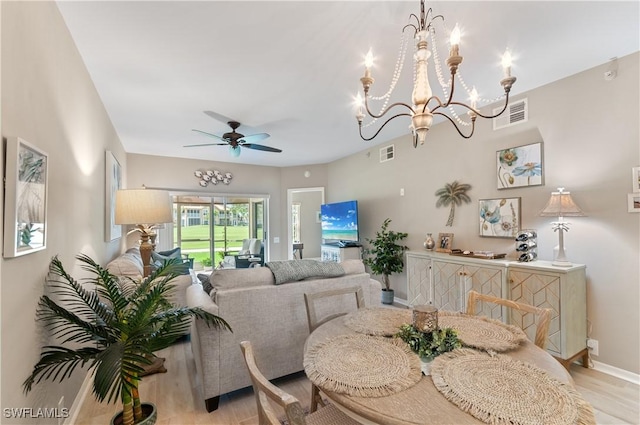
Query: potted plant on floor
x=386 y=257
x=114 y=330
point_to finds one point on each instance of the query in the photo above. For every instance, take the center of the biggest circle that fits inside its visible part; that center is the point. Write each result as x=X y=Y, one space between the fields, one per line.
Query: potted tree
x=114 y=330
x=386 y=257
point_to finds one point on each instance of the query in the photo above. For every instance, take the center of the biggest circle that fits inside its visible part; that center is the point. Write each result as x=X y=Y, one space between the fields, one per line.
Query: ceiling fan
x=237 y=140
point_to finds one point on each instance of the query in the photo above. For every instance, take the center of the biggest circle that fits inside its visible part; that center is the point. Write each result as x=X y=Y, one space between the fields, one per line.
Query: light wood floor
x=179 y=402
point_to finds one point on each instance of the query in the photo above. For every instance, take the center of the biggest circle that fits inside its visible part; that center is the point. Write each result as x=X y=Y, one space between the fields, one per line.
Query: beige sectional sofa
x=130 y=265
x=273 y=317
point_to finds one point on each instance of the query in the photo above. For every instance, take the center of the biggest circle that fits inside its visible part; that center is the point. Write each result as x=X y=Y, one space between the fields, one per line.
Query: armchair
x=252 y=253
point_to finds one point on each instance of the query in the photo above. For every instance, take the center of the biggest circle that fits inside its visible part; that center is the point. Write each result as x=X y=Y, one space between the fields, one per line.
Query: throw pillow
x=206 y=283
x=295 y=270
x=165 y=255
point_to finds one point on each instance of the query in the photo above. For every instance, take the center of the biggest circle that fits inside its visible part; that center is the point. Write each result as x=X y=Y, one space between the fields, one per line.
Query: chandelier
x=424 y=104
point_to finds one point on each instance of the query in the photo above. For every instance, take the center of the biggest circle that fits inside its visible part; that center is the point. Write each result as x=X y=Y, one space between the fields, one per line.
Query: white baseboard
x=634 y=378
x=79 y=400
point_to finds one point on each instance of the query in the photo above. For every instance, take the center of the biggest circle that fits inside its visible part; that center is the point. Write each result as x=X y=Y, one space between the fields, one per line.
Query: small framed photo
x=633 y=202
x=26 y=197
x=520 y=166
x=635 y=180
x=113 y=183
x=444 y=242
x=499 y=218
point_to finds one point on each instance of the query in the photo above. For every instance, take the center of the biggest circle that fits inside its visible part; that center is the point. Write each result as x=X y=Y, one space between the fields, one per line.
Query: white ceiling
x=292 y=69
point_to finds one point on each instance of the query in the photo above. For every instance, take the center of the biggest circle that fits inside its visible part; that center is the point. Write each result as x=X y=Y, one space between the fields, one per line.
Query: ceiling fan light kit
x=236 y=140
x=419 y=111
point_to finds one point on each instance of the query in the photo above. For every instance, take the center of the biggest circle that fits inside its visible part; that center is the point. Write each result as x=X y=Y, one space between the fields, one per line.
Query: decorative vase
x=429 y=243
x=148 y=409
x=387 y=296
x=425 y=365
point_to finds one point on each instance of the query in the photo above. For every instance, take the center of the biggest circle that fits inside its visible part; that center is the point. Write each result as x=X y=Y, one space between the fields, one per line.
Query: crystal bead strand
x=394 y=80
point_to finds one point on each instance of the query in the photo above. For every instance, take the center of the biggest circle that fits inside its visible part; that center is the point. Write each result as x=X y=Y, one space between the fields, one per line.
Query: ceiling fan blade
x=205 y=144
x=208 y=134
x=260 y=147
x=256 y=137
x=218 y=117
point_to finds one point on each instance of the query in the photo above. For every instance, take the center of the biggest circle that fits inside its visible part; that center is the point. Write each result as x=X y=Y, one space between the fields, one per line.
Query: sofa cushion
x=353 y=266
x=128 y=264
x=240 y=278
x=295 y=270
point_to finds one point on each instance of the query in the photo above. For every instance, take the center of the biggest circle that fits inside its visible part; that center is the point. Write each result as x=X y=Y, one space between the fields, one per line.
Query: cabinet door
x=485 y=280
x=447 y=290
x=540 y=290
x=419 y=280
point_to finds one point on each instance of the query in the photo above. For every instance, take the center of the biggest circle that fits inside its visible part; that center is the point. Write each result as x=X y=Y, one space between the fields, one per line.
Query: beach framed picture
x=26 y=196
x=521 y=166
x=113 y=182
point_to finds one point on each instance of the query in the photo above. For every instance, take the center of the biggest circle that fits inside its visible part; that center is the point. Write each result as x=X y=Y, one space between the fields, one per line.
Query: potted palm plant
x=114 y=330
x=386 y=257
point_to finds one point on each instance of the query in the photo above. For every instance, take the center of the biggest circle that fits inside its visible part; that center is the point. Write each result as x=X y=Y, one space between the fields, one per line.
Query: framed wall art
x=26 y=196
x=113 y=182
x=633 y=202
x=499 y=218
x=444 y=242
x=635 y=179
x=521 y=166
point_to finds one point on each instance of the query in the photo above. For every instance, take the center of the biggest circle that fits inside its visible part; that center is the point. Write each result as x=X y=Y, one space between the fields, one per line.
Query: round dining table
x=421 y=403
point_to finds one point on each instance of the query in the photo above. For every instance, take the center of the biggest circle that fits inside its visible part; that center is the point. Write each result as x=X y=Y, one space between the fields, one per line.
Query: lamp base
x=561 y=263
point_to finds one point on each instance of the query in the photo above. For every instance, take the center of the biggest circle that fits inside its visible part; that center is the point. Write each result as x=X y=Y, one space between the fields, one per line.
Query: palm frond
x=65 y=324
x=106 y=283
x=57 y=363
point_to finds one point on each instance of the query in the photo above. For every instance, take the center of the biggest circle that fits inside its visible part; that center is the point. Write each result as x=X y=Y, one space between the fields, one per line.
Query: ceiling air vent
x=386 y=153
x=517 y=112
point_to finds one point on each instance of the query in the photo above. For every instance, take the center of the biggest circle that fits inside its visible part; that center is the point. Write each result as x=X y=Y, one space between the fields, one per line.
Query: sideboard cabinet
x=445 y=281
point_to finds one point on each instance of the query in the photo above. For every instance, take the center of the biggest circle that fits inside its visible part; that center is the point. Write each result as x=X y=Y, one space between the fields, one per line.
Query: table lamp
x=561 y=205
x=144 y=208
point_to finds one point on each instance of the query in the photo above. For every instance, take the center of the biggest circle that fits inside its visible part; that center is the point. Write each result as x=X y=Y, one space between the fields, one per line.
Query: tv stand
x=338 y=254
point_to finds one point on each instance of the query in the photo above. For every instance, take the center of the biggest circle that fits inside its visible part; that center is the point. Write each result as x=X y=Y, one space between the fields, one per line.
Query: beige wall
x=590 y=131
x=49 y=100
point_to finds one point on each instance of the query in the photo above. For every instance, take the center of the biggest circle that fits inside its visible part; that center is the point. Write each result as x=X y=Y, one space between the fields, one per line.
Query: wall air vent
x=387 y=153
x=517 y=112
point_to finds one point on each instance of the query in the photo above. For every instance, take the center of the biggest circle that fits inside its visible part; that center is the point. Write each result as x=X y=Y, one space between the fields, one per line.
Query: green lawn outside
x=195 y=241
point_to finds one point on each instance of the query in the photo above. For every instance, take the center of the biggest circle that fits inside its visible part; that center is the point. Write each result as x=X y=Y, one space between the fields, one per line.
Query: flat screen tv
x=340 y=222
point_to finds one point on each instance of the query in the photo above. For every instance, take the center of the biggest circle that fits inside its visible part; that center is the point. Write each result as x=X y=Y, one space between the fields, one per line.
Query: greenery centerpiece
x=386 y=256
x=429 y=345
x=113 y=329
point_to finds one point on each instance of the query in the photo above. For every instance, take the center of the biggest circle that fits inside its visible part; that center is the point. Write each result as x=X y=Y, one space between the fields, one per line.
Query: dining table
x=358 y=357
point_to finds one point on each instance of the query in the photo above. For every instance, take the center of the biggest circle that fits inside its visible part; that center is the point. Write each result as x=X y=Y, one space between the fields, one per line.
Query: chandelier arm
x=473 y=125
x=383 y=113
x=381 y=127
x=504 y=108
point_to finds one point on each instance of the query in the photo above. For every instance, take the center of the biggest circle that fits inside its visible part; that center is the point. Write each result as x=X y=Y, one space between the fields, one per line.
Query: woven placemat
x=362 y=365
x=482 y=332
x=378 y=321
x=500 y=390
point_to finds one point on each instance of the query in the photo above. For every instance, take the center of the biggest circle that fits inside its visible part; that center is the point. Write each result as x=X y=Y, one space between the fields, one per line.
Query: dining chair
x=312 y=301
x=543 y=315
x=265 y=392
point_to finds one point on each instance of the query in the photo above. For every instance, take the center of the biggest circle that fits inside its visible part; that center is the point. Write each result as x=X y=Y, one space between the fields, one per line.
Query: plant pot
x=425 y=365
x=148 y=409
x=387 y=296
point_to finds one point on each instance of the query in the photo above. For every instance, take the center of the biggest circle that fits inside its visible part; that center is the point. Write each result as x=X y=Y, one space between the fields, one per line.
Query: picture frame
x=444 y=242
x=633 y=202
x=635 y=179
x=499 y=218
x=113 y=182
x=520 y=166
x=26 y=198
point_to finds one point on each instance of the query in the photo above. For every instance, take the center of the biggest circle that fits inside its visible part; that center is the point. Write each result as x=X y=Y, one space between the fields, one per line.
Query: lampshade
x=143 y=206
x=561 y=205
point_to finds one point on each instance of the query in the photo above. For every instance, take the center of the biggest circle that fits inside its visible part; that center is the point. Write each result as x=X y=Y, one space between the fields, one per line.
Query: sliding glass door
x=209 y=228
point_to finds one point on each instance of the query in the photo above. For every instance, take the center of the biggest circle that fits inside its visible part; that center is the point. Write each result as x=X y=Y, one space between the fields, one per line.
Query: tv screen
x=340 y=221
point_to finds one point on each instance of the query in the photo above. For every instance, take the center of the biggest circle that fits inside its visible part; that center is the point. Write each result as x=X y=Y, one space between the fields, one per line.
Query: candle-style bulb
x=368 y=60
x=455 y=41
x=506 y=63
x=473 y=96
